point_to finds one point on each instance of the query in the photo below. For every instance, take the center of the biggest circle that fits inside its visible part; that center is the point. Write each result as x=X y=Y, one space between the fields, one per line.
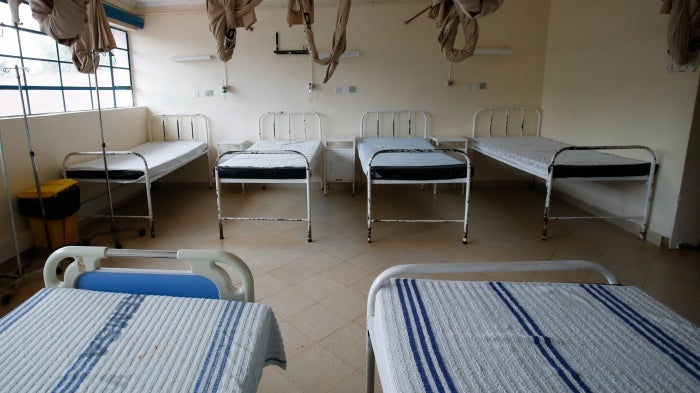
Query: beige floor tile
x=347 y=344
x=347 y=302
x=355 y=383
x=319 y=287
x=317 y=290
x=316 y=370
x=317 y=321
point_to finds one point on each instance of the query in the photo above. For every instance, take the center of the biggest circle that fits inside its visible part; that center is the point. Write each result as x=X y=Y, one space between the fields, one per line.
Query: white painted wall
x=400 y=67
x=606 y=83
x=53 y=136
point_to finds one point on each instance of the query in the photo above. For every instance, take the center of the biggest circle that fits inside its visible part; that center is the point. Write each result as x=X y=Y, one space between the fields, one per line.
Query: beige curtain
x=683 y=29
x=301 y=12
x=95 y=37
x=449 y=15
x=224 y=17
x=62 y=20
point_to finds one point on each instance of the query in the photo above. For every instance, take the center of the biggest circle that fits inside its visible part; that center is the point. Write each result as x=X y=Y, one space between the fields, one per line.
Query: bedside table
x=340 y=160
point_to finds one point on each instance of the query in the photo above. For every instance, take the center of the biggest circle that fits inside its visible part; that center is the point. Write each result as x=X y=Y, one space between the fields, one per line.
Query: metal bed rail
x=219 y=180
x=147 y=183
x=507 y=112
x=465 y=180
x=470 y=267
x=306 y=118
x=649 y=195
x=396 y=117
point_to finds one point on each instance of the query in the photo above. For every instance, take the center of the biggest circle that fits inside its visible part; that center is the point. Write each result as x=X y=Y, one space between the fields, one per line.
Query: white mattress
x=309 y=148
x=161 y=157
x=78 y=340
x=532 y=337
x=366 y=147
x=533 y=154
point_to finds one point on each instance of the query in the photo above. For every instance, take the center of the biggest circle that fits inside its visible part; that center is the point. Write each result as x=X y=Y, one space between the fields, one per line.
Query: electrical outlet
x=352 y=89
x=208 y=93
x=475 y=86
x=339 y=90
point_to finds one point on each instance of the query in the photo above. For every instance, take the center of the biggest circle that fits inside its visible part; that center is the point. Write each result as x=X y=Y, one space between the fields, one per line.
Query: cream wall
x=400 y=67
x=53 y=136
x=605 y=82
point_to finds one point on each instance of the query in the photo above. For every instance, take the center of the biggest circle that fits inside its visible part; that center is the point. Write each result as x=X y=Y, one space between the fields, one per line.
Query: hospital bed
x=138 y=330
x=394 y=149
x=289 y=155
x=551 y=160
x=467 y=336
x=182 y=138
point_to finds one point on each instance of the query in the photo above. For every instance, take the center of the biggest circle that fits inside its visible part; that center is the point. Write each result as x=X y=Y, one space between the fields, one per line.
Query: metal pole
x=113 y=225
x=32 y=158
x=11 y=208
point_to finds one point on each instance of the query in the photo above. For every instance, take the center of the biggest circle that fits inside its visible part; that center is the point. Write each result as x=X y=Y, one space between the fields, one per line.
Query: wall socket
x=475 y=86
x=203 y=93
x=345 y=89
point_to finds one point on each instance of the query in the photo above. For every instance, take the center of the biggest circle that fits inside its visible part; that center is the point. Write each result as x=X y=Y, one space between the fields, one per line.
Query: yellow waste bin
x=61 y=198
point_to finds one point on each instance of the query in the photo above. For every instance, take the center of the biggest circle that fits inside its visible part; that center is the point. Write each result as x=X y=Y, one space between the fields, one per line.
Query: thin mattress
x=272 y=166
x=408 y=165
x=532 y=337
x=533 y=154
x=161 y=157
x=109 y=342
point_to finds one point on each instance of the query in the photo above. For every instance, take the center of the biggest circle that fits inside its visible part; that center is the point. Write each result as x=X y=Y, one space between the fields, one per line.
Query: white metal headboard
x=184 y=126
x=520 y=117
x=292 y=118
x=399 y=120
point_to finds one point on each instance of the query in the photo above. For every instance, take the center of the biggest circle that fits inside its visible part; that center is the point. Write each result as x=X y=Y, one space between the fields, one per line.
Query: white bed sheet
x=366 y=147
x=162 y=158
x=79 y=340
x=533 y=337
x=311 y=149
x=533 y=154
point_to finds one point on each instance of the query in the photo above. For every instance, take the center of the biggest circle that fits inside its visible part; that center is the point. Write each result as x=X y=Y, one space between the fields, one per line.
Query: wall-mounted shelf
x=191 y=58
x=277 y=50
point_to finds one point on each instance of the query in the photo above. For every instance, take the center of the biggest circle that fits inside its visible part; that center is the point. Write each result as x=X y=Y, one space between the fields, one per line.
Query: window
x=50 y=81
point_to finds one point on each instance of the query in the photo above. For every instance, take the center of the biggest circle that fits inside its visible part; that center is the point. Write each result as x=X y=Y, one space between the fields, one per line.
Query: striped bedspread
x=448 y=336
x=72 y=340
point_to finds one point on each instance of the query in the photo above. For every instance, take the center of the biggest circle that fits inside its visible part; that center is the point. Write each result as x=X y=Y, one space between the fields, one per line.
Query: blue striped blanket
x=72 y=340
x=451 y=336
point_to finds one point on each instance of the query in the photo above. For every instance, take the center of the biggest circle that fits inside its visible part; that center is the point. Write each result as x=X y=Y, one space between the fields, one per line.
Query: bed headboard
x=179 y=127
x=290 y=126
x=394 y=124
x=507 y=121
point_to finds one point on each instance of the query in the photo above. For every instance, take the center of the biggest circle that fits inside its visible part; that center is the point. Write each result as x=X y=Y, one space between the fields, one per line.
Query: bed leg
x=308 y=233
x=369 y=386
x=153 y=229
x=369 y=210
x=221 y=230
x=547 y=201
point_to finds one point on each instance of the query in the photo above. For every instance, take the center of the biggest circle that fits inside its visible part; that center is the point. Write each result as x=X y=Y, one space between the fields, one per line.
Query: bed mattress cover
x=408 y=165
x=272 y=166
x=78 y=340
x=456 y=336
x=533 y=154
x=162 y=157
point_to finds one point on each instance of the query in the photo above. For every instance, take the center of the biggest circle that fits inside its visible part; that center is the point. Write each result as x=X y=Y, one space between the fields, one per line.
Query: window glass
x=38 y=46
x=41 y=73
x=124 y=98
x=120 y=58
x=78 y=100
x=50 y=80
x=45 y=101
x=10 y=103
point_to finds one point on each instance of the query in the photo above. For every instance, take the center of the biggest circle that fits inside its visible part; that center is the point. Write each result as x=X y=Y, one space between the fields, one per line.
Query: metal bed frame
x=469 y=267
x=524 y=112
x=273 y=117
x=201 y=262
x=165 y=121
x=395 y=127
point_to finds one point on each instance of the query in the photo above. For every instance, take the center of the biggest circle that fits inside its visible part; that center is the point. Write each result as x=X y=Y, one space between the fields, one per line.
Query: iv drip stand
x=20 y=273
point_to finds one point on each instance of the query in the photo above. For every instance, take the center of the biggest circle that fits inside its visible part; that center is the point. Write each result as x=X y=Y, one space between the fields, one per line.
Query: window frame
x=61 y=65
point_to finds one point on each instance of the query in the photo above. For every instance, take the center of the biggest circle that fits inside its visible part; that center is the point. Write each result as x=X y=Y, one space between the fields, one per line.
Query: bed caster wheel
x=142 y=232
x=5 y=299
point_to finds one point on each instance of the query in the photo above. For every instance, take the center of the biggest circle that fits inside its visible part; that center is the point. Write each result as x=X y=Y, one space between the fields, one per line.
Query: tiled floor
x=318 y=290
